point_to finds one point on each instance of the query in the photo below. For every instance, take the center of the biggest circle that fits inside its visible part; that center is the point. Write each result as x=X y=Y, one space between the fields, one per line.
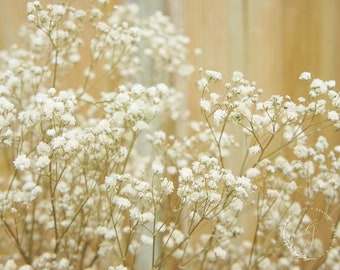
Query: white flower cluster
x=166 y=47
x=98 y=175
x=65 y=41
x=124 y=41
x=7 y=117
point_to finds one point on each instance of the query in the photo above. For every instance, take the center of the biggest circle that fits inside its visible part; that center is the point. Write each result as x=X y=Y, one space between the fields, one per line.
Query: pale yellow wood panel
x=12 y=16
x=264 y=41
x=271 y=41
x=330 y=40
x=302 y=40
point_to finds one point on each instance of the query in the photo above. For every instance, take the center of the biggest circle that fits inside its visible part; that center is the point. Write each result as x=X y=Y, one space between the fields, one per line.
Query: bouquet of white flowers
x=112 y=173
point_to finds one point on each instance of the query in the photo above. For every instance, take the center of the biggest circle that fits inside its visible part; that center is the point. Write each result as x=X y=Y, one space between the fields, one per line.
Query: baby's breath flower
x=57 y=142
x=10 y=265
x=157 y=167
x=57 y=10
x=205 y=105
x=320 y=85
x=220 y=253
x=333 y=116
x=103 y=2
x=219 y=116
x=237 y=76
x=147 y=217
x=321 y=144
x=26 y=267
x=121 y=203
x=214 y=98
x=185 y=174
x=236 y=205
x=331 y=84
x=301 y=151
x=253 y=172
x=167 y=186
x=213 y=75
x=42 y=162
x=140 y=126
x=253 y=150
x=119 y=267
x=21 y=162
x=202 y=84
x=305 y=76
x=43 y=148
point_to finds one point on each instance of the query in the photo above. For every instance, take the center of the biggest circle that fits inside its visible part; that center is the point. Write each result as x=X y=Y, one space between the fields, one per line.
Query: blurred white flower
x=21 y=162
x=305 y=76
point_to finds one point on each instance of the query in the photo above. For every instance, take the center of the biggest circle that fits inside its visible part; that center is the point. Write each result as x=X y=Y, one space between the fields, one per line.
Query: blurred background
x=271 y=41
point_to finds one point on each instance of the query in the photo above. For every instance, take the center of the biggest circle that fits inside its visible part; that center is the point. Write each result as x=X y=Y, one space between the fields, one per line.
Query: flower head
x=21 y=162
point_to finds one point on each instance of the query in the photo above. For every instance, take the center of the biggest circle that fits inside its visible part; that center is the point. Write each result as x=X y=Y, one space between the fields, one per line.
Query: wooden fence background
x=271 y=41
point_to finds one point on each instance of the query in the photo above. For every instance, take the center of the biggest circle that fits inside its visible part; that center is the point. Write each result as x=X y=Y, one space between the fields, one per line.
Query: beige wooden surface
x=271 y=41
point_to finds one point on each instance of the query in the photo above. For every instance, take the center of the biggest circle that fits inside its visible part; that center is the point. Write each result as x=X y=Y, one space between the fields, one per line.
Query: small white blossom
x=63 y=264
x=167 y=186
x=272 y=193
x=237 y=76
x=220 y=253
x=319 y=84
x=140 y=126
x=147 y=217
x=205 y=105
x=22 y=162
x=157 y=167
x=333 y=116
x=42 y=162
x=122 y=203
x=214 y=75
x=305 y=76
x=10 y=265
x=253 y=172
x=185 y=174
x=58 y=142
x=219 y=116
x=321 y=144
x=43 y=148
x=26 y=267
x=202 y=84
x=57 y=10
x=331 y=84
x=236 y=204
x=214 y=98
x=119 y=267
x=301 y=151
x=253 y=150
x=103 y=2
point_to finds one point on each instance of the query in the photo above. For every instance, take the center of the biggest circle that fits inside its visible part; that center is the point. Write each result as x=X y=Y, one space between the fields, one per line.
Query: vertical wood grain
x=271 y=41
x=264 y=59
